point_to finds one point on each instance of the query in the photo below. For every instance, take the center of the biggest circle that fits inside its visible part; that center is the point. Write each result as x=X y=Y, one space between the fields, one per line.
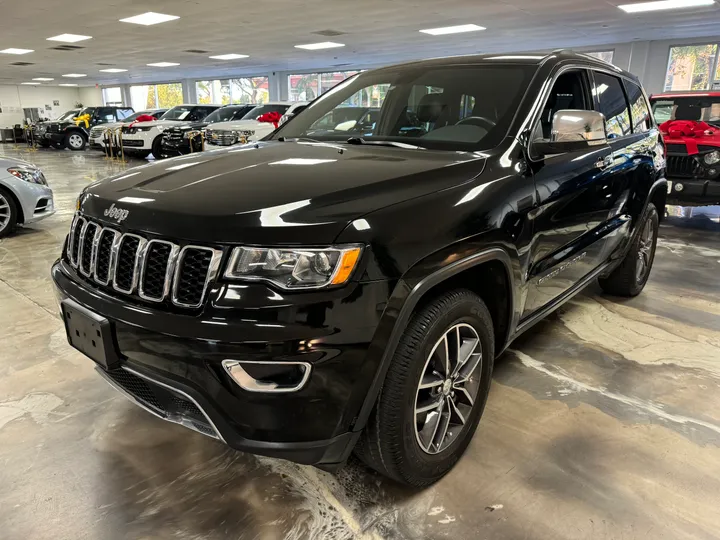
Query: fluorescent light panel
x=67 y=84
x=69 y=38
x=150 y=18
x=16 y=51
x=163 y=64
x=664 y=4
x=229 y=56
x=321 y=45
x=74 y=75
x=43 y=79
x=113 y=70
x=452 y=29
x=31 y=83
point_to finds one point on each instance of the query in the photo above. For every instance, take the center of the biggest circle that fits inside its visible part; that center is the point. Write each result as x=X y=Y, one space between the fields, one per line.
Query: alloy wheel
x=448 y=388
x=645 y=250
x=75 y=140
x=4 y=212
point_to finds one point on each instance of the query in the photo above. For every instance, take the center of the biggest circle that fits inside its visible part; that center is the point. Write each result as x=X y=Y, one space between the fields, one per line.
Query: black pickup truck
x=317 y=293
x=74 y=134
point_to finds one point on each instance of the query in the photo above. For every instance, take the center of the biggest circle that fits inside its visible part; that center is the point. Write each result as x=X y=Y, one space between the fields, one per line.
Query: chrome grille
x=220 y=137
x=96 y=132
x=174 y=135
x=154 y=270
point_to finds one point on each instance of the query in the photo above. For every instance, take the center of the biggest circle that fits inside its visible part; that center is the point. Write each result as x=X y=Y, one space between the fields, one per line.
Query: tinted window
x=613 y=105
x=263 y=109
x=568 y=92
x=105 y=115
x=421 y=104
x=124 y=113
x=226 y=114
x=695 y=108
x=638 y=108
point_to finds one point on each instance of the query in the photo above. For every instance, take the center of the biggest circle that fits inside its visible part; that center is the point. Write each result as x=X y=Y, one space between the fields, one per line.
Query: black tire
x=140 y=155
x=43 y=143
x=390 y=442
x=75 y=141
x=157 y=148
x=630 y=277
x=8 y=213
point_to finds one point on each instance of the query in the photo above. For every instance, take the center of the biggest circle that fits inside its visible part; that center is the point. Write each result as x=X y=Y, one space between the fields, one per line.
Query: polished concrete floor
x=603 y=422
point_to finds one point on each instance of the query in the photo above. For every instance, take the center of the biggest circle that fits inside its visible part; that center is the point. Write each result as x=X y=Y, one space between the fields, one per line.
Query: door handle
x=604 y=163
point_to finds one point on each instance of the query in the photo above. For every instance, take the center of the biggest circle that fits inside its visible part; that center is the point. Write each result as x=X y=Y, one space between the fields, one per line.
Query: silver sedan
x=24 y=195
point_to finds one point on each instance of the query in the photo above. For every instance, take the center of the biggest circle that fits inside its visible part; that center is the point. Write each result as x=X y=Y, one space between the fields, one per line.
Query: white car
x=145 y=138
x=248 y=129
x=97 y=137
x=24 y=195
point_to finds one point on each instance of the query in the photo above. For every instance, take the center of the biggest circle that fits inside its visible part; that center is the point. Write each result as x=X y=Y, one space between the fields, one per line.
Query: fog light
x=268 y=377
x=713 y=172
x=679 y=187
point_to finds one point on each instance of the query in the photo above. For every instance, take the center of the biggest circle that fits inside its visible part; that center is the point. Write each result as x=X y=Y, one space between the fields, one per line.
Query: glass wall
x=308 y=86
x=156 y=96
x=605 y=56
x=693 y=67
x=112 y=96
x=226 y=91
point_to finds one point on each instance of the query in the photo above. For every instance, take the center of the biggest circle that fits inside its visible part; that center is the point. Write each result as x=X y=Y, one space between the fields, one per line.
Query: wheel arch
x=16 y=200
x=490 y=273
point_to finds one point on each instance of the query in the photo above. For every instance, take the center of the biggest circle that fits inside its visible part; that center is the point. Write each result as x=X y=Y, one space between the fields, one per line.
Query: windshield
x=226 y=114
x=262 y=109
x=695 y=108
x=87 y=110
x=450 y=108
x=181 y=112
x=68 y=115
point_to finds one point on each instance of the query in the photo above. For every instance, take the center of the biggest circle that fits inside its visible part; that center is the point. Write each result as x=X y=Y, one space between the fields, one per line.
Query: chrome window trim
x=211 y=274
x=139 y=257
x=169 y=270
x=116 y=236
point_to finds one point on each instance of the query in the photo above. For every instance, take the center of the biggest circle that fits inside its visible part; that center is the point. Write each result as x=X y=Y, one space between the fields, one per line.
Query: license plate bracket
x=91 y=334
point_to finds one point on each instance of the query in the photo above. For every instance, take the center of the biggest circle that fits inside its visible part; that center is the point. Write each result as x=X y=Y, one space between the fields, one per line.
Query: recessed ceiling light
x=321 y=45
x=69 y=38
x=74 y=75
x=229 y=56
x=163 y=64
x=150 y=18
x=43 y=79
x=17 y=51
x=664 y=4
x=31 y=83
x=67 y=84
x=113 y=70
x=452 y=29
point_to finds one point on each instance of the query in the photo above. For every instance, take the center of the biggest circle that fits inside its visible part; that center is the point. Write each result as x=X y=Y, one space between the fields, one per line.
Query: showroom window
x=308 y=86
x=156 y=96
x=613 y=104
x=253 y=90
x=112 y=96
x=693 y=67
x=605 y=56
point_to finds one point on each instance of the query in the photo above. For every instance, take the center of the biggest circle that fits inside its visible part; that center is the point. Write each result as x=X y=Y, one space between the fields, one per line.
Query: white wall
x=91 y=96
x=14 y=98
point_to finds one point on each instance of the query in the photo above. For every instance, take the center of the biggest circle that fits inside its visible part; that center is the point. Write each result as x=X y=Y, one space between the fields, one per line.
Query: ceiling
x=375 y=32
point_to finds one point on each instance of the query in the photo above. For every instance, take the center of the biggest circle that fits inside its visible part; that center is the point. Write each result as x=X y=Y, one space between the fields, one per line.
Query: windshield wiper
x=361 y=141
x=289 y=139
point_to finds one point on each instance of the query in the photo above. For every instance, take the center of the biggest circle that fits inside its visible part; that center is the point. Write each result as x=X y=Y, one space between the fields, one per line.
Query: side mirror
x=573 y=131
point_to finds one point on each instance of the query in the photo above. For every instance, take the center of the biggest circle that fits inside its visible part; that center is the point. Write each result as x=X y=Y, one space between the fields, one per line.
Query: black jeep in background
x=346 y=285
x=74 y=134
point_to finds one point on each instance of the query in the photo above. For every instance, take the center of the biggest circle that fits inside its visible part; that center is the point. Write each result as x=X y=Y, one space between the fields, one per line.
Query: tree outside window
x=691 y=67
x=308 y=86
x=250 y=90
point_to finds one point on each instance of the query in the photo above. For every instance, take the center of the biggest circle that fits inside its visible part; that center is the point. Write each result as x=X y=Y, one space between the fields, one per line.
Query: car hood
x=273 y=192
x=6 y=162
x=186 y=126
x=110 y=125
x=164 y=123
x=241 y=125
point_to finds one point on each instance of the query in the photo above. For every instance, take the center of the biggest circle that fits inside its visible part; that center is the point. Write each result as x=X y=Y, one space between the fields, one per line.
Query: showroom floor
x=603 y=422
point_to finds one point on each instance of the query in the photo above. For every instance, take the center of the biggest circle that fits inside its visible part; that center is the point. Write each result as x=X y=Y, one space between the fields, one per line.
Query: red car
x=690 y=124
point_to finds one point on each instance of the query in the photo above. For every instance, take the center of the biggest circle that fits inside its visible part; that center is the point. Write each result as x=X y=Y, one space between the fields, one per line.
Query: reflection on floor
x=603 y=422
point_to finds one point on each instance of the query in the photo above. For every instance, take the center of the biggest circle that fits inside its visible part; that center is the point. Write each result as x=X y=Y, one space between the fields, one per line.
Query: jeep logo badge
x=116 y=213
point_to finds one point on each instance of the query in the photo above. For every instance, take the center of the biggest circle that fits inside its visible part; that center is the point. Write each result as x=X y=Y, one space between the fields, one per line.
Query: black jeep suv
x=303 y=297
x=74 y=133
x=186 y=138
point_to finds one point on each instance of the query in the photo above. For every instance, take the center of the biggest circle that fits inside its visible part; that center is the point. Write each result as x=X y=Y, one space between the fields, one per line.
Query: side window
x=105 y=115
x=639 y=110
x=613 y=104
x=568 y=92
x=124 y=113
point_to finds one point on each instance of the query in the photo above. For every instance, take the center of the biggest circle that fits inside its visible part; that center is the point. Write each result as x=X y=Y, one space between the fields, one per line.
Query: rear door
x=572 y=200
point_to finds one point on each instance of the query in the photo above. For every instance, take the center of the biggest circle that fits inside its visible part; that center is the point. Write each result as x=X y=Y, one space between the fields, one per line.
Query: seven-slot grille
x=683 y=166
x=154 y=270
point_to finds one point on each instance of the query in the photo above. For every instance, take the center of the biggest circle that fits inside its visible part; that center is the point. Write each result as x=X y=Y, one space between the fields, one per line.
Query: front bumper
x=36 y=200
x=183 y=353
x=688 y=191
x=178 y=148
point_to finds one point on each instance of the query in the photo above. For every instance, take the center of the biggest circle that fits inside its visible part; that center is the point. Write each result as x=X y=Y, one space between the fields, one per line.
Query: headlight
x=712 y=158
x=294 y=268
x=160 y=128
x=34 y=176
